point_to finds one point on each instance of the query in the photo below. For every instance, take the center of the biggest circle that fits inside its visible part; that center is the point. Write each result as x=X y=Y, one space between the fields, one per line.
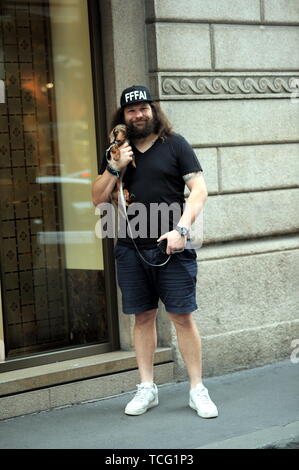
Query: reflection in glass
x=51 y=261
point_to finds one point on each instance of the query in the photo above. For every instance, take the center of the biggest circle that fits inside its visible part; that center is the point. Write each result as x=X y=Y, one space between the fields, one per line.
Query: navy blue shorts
x=142 y=285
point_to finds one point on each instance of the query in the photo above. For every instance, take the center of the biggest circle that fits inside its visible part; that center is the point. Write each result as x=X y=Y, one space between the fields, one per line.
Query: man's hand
x=175 y=241
x=126 y=156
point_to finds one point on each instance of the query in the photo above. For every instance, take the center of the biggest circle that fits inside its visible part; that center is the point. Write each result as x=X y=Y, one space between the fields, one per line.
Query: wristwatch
x=183 y=231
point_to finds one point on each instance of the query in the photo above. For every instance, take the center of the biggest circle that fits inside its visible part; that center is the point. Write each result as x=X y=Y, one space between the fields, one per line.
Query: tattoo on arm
x=189 y=176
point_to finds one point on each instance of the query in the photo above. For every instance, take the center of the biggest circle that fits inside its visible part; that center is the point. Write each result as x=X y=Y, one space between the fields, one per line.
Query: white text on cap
x=135 y=95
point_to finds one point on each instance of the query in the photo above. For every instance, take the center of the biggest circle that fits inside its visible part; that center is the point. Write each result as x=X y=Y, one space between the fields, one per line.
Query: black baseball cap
x=135 y=94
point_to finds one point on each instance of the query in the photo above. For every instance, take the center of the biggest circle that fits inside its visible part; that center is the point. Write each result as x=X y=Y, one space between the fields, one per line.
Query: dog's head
x=118 y=134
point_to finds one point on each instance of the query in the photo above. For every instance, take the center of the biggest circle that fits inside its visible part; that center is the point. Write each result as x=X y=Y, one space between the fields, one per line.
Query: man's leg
x=145 y=343
x=189 y=342
x=190 y=347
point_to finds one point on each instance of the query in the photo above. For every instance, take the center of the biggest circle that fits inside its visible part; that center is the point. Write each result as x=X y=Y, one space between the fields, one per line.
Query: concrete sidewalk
x=257 y=408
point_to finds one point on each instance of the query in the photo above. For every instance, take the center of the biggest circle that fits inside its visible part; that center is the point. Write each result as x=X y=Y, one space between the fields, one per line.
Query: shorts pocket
x=188 y=253
x=119 y=250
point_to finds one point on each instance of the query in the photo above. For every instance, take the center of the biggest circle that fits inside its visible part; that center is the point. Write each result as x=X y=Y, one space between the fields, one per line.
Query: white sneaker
x=201 y=402
x=145 y=398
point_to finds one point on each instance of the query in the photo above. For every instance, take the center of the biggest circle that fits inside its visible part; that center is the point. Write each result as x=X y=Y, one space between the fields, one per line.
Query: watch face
x=182 y=230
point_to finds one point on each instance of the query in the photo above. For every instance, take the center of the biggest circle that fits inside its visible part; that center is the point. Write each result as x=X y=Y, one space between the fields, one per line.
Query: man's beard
x=137 y=133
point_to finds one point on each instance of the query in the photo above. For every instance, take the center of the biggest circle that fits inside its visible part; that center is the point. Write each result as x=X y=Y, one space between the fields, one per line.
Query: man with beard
x=165 y=162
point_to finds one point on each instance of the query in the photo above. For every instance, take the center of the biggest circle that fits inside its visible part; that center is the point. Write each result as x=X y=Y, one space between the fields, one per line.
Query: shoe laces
x=203 y=395
x=142 y=392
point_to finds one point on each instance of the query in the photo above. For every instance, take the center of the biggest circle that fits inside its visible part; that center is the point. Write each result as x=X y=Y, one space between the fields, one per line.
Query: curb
x=276 y=437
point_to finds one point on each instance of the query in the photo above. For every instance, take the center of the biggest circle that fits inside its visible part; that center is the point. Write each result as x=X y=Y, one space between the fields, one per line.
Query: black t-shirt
x=156 y=183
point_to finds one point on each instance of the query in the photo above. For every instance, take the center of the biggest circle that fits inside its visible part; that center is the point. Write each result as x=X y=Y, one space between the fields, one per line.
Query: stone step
x=65 y=383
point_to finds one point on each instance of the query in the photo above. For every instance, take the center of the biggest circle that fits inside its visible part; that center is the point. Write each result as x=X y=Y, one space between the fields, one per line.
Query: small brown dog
x=117 y=137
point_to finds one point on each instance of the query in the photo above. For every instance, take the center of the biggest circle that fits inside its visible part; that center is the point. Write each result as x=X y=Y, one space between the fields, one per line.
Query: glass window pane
x=52 y=263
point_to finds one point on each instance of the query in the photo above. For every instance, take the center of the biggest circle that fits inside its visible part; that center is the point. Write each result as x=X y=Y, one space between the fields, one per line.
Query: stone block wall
x=227 y=74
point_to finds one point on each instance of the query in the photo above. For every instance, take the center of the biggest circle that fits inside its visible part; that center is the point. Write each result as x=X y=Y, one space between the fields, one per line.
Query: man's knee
x=181 y=319
x=146 y=317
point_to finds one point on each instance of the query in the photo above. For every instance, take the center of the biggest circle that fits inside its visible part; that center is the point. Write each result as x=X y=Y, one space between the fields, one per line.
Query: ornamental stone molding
x=224 y=85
